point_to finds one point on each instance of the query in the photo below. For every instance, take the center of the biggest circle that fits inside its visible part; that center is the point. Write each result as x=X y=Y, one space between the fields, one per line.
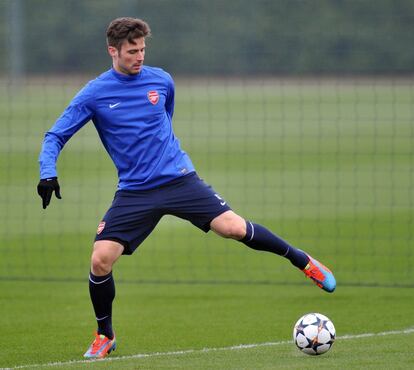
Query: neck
x=120 y=70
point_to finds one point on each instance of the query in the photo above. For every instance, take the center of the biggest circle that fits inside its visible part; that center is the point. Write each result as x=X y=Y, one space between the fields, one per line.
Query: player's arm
x=169 y=103
x=75 y=116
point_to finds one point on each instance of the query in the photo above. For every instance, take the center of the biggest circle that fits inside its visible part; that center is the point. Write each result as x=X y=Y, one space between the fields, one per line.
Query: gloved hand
x=45 y=189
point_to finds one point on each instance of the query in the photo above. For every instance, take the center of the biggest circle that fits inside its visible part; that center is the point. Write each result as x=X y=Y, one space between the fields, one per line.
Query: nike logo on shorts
x=222 y=203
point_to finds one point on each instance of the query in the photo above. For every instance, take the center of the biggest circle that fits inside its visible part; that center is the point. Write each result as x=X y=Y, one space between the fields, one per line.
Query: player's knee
x=104 y=255
x=229 y=225
x=100 y=264
x=234 y=230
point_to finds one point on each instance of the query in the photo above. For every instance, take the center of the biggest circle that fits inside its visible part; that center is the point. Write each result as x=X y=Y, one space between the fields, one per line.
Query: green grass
x=327 y=165
x=51 y=322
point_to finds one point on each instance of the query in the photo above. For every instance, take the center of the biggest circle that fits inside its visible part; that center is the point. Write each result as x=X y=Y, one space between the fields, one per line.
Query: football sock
x=102 y=292
x=259 y=238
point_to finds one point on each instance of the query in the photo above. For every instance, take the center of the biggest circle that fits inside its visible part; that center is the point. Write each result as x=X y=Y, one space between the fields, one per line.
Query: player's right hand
x=45 y=189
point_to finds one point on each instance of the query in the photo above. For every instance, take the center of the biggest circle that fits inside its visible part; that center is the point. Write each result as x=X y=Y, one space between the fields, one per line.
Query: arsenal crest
x=153 y=96
x=101 y=226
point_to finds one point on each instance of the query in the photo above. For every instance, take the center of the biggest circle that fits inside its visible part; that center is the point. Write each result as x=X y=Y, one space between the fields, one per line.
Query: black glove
x=45 y=189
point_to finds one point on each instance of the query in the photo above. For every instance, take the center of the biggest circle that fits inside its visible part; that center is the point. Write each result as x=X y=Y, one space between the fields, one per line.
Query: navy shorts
x=135 y=213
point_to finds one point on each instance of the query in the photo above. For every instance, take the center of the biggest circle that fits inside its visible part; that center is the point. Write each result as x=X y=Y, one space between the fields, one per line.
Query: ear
x=113 y=52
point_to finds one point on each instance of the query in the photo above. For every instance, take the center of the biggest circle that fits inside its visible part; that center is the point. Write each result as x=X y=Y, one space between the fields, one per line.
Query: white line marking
x=205 y=350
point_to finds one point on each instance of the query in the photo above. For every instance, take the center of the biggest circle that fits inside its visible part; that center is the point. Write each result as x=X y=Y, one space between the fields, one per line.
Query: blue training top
x=133 y=117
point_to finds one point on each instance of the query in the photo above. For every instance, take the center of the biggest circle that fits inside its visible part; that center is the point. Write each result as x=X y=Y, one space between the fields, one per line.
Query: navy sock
x=102 y=292
x=259 y=238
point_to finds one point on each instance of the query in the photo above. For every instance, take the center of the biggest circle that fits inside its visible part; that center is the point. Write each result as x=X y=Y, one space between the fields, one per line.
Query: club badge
x=101 y=226
x=153 y=96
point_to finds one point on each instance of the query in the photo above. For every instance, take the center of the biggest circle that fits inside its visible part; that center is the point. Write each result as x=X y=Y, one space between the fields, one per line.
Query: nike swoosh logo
x=222 y=203
x=112 y=106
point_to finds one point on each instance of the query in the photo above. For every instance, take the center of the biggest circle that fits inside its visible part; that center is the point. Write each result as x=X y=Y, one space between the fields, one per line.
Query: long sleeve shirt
x=133 y=117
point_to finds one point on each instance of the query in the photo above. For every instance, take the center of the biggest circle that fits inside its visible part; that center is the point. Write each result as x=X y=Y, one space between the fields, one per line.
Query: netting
x=323 y=161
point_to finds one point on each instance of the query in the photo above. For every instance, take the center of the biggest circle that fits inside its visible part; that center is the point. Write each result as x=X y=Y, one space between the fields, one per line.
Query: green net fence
x=325 y=160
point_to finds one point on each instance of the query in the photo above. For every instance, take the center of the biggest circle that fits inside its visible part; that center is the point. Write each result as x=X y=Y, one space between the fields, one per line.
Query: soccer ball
x=314 y=334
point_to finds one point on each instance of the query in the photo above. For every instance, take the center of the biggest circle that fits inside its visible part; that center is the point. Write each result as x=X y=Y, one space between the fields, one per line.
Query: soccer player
x=132 y=106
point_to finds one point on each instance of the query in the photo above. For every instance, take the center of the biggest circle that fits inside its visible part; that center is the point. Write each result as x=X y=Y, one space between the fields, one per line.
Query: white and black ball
x=314 y=334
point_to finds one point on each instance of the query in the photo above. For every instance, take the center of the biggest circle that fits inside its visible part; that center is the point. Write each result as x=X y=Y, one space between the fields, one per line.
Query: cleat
x=100 y=347
x=320 y=275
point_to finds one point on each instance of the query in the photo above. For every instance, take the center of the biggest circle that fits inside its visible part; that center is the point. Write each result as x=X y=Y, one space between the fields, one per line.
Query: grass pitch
x=326 y=164
x=189 y=326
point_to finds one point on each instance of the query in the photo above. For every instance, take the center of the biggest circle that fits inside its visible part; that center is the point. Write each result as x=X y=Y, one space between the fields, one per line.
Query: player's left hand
x=45 y=189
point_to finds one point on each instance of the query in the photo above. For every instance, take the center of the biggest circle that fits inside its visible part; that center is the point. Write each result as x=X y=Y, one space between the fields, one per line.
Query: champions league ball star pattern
x=314 y=334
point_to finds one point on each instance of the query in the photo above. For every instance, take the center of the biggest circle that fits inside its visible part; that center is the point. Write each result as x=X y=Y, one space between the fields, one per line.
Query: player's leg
x=192 y=199
x=127 y=223
x=231 y=225
x=101 y=283
x=102 y=292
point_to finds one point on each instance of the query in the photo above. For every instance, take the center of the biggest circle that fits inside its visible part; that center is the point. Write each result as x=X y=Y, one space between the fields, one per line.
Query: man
x=131 y=106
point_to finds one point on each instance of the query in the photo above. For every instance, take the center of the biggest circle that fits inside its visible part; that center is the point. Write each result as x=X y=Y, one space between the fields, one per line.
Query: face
x=130 y=59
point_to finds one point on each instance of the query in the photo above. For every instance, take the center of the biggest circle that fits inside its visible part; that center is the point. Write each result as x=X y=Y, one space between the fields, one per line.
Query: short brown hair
x=126 y=28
